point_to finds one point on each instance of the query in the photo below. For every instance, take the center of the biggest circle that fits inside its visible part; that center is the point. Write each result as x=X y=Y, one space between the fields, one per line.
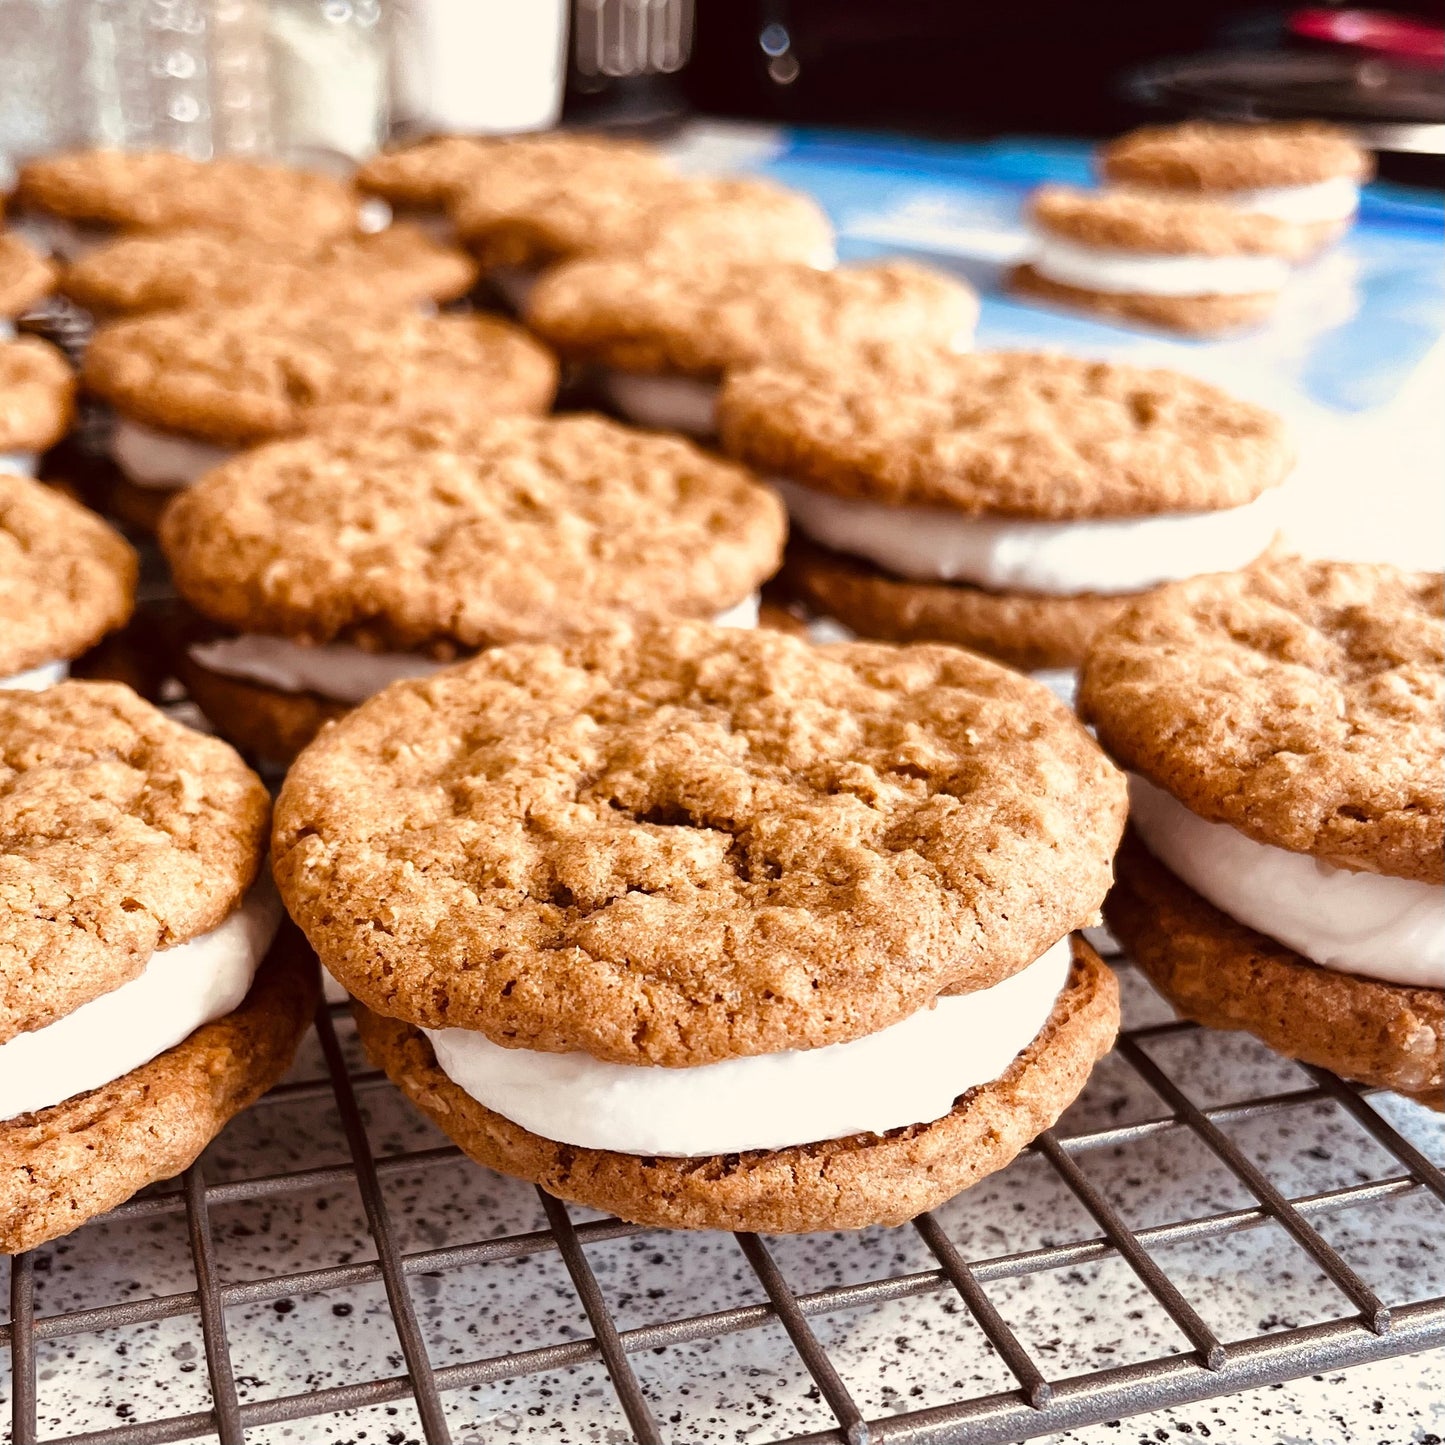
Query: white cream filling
x=25 y=463
x=7 y=329
x=343 y=672
x=909 y=1073
x=180 y=989
x=1011 y=554
x=1335 y=199
x=162 y=460
x=1142 y=273
x=36 y=679
x=1391 y=929
x=664 y=403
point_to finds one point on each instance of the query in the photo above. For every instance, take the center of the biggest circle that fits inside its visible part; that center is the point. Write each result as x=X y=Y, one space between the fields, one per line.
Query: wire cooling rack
x=417 y=1326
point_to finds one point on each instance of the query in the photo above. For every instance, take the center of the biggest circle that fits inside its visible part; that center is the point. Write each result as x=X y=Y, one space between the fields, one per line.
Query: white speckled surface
x=750 y=1387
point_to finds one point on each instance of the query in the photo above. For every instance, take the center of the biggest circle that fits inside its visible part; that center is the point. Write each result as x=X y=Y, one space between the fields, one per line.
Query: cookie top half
x=534 y=222
x=701 y=320
x=1024 y=434
x=426 y=175
x=237 y=375
x=694 y=843
x=37 y=395
x=1161 y=225
x=158 y=191
x=121 y=832
x=137 y=273
x=445 y=537
x=66 y=578
x=1213 y=156
x=25 y=275
x=1302 y=703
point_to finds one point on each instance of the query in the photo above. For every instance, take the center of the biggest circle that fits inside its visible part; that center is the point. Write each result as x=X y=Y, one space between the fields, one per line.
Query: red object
x=1376 y=30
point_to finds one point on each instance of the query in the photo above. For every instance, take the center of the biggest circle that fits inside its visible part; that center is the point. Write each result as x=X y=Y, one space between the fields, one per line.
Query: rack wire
x=1036 y=1402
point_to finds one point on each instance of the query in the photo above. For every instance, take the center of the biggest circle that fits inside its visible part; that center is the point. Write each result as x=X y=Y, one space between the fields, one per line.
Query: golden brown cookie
x=66 y=578
x=240 y=375
x=1300 y=703
x=1193 y=315
x=1203 y=156
x=1160 y=225
x=693 y=843
x=66 y=1164
x=424 y=176
x=1220 y=973
x=448 y=539
x=25 y=275
x=37 y=395
x=537 y=222
x=159 y=191
x=841 y=1184
x=1029 y=631
x=133 y=274
x=1015 y=434
x=121 y=832
x=702 y=319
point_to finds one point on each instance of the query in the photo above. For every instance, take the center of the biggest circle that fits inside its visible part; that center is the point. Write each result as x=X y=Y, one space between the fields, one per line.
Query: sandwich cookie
x=400 y=265
x=1285 y=873
x=66 y=580
x=716 y=929
x=37 y=402
x=516 y=230
x=1305 y=173
x=333 y=565
x=25 y=278
x=90 y=195
x=1186 y=265
x=418 y=181
x=142 y=1002
x=1010 y=502
x=191 y=387
x=663 y=336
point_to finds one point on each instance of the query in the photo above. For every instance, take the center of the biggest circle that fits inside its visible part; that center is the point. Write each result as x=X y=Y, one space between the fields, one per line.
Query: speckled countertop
x=750 y=1387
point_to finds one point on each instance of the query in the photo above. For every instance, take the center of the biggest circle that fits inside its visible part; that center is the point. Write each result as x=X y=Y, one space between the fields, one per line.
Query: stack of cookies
x=1285 y=735
x=1011 y=502
x=716 y=929
x=1305 y=174
x=1200 y=224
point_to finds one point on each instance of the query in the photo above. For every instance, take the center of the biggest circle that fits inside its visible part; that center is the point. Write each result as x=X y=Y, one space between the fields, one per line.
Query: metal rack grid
x=1202 y=1367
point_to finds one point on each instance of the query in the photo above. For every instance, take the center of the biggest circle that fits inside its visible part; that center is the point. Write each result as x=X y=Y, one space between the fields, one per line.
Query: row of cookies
x=1196 y=227
x=718 y=928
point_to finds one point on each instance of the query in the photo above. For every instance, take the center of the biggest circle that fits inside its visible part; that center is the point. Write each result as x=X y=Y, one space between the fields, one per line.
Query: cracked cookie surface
x=1299 y=702
x=1006 y=433
x=691 y=843
x=700 y=320
x=66 y=578
x=247 y=374
x=454 y=538
x=121 y=832
x=1208 y=156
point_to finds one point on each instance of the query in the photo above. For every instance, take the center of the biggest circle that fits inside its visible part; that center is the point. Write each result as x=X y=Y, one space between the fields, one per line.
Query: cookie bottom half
x=1194 y=315
x=839 y=1184
x=66 y=1164
x=1220 y=973
x=263 y=722
x=1031 y=631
